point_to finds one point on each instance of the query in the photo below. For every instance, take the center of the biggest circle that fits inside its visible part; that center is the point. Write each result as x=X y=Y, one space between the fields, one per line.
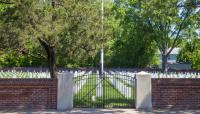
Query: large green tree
x=130 y=47
x=32 y=24
x=165 y=22
x=67 y=28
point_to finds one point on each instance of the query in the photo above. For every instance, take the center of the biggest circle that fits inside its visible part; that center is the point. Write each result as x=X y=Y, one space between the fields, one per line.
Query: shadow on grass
x=108 y=103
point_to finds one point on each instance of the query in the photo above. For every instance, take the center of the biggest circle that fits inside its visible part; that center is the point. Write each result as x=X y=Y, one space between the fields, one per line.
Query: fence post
x=143 y=91
x=65 y=91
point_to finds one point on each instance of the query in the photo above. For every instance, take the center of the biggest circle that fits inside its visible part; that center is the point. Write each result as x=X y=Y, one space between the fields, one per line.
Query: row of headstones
x=78 y=85
x=18 y=74
x=79 y=73
x=126 y=73
x=174 y=75
x=127 y=78
x=121 y=87
x=164 y=75
x=75 y=72
x=22 y=74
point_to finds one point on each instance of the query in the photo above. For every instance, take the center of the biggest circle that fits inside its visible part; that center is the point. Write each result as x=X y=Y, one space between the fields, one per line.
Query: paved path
x=102 y=111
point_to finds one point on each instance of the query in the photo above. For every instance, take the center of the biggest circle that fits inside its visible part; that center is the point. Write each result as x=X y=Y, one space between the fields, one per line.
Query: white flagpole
x=102 y=30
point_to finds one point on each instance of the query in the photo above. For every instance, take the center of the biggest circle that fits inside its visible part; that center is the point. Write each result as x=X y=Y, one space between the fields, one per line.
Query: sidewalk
x=102 y=111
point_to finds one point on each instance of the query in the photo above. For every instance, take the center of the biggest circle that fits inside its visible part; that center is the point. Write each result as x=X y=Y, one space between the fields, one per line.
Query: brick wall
x=176 y=93
x=28 y=93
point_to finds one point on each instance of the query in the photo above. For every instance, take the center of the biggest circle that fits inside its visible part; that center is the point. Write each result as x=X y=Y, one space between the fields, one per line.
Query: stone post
x=143 y=91
x=65 y=91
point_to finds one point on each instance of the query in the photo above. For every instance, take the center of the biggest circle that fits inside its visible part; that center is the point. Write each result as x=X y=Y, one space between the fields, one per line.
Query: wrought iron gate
x=110 y=90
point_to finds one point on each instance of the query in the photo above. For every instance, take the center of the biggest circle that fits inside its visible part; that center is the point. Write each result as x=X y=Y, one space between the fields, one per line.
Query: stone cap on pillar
x=64 y=74
x=143 y=73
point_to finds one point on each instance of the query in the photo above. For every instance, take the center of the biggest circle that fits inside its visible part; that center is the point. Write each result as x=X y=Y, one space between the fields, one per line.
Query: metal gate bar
x=112 y=90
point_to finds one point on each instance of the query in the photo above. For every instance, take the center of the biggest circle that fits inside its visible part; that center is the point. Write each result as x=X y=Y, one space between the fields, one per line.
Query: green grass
x=84 y=97
x=111 y=98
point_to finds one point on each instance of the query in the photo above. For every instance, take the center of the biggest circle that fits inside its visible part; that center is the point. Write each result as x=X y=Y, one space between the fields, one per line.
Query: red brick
x=176 y=93
x=28 y=93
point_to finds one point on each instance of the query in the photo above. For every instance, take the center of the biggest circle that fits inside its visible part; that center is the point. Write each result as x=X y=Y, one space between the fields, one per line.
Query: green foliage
x=133 y=47
x=164 y=22
x=2 y=7
x=11 y=58
x=191 y=53
x=73 y=28
x=133 y=31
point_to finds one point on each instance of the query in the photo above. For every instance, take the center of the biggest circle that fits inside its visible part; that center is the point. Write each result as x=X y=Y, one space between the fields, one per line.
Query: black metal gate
x=110 y=90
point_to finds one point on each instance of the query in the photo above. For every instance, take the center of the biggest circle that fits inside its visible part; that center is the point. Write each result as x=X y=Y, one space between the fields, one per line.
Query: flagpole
x=102 y=37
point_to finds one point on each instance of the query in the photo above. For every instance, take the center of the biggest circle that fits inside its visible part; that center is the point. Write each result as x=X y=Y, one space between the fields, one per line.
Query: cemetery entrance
x=112 y=89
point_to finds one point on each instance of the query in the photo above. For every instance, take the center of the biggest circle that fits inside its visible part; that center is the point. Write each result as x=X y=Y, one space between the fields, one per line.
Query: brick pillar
x=65 y=91
x=143 y=91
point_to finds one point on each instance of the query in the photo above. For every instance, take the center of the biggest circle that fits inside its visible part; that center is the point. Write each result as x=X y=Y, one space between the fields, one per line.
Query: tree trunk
x=51 y=62
x=50 y=56
x=164 y=63
x=55 y=3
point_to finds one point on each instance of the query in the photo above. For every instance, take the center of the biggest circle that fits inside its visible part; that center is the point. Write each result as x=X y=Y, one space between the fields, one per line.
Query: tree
x=33 y=22
x=166 y=22
x=131 y=48
x=71 y=28
x=190 y=53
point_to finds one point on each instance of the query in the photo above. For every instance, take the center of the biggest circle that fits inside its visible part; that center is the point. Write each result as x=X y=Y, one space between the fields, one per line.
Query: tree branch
x=157 y=42
x=178 y=33
x=43 y=43
x=24 y=51
x=189 y=4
